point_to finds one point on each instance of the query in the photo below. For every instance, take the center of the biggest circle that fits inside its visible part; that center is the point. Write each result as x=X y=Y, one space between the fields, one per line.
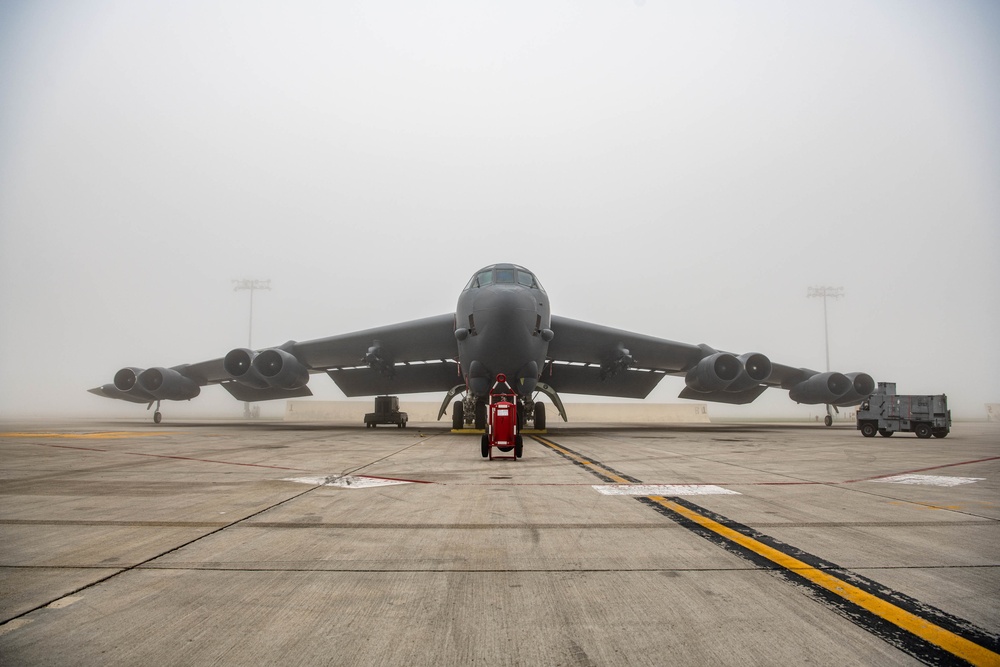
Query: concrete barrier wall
x=354 y=411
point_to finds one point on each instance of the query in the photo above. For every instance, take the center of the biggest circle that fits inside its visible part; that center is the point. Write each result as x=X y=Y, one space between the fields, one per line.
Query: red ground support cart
x=501 y=422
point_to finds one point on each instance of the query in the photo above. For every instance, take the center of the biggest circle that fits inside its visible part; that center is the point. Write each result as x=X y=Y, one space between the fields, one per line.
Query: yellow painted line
x=590 y=464
x=949 y=641
x=110 y=435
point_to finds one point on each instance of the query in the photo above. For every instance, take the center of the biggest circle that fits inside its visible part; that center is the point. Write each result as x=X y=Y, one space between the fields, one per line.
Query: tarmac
x=231 y=543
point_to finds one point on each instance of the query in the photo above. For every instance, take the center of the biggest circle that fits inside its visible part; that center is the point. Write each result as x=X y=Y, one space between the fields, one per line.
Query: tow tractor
x=501 y=423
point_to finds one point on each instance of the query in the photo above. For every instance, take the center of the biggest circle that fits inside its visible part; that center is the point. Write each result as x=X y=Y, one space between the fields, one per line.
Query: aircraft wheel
x=518 y=446
x=484 y=446
x=868 y=430
x=157 y=417
x=885 y=433
x=480 y=414
x=922 y=431
x=539 y=416
x=828 y=420
x=458 y=415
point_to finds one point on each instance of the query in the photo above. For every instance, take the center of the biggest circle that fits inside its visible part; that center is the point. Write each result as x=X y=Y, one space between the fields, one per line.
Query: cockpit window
x=505 y=276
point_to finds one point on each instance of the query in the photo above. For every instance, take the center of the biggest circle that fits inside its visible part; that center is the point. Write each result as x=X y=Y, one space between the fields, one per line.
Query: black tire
x=940 y=433
x=480 y=414
x=868 y=430
x=157 y=417
x=458 y=416
x=885 y=433
x=828 y=420
x=540 y=416
x=923 y=431
x=518 y=446
x=484 y=445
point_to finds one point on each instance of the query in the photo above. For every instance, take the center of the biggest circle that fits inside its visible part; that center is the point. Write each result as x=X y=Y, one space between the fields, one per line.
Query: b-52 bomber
x=501 y=325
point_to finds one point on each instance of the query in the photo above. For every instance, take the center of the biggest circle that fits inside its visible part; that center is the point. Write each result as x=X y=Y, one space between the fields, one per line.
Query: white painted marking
x=663 y=490
x=348 y=481
x=929 y=480
x=65 y=602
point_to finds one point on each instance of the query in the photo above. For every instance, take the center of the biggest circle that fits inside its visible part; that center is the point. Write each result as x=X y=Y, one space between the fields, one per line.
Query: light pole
x=826 y=293
x=252 y=285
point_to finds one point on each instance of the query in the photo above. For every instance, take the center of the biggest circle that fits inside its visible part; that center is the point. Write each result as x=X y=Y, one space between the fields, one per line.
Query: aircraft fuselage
x=503 y=324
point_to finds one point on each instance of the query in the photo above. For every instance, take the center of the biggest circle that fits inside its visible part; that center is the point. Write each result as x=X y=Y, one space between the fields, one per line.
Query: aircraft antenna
x=826 y=293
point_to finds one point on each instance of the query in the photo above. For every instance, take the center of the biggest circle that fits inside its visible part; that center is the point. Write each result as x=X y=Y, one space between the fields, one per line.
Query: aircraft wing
x=407 y=357
x=588 y=358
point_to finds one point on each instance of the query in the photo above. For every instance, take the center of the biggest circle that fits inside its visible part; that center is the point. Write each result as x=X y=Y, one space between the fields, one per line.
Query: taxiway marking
x=663 y=490
x=109 y=435
x=929 y=480
x=927 y=636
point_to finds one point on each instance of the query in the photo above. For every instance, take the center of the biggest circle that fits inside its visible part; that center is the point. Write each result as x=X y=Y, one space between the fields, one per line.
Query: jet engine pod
x=863 y=387
x=714 y=373
x=126 y=377
x=281 y=369
x=239 y=364
x=756 y=369
x=168 y=384
x=126 y=382
x=821 y=388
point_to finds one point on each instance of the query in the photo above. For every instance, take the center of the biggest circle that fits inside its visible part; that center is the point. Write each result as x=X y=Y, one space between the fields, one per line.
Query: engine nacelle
x=863 y=386
x=167 y=384
x=239 y=364
x=714 y=373
x=126 y=380
x=281 y=369
x=756 y=369
x=821 y=388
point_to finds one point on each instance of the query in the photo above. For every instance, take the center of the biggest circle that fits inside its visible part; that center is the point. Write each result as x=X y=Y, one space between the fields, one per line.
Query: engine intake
x=714 y=373
x=126 y=381
x=281 y=369
x=821 y=388
x=167 y=384
x=756 y=369
x=239 y=364
x=863 y=386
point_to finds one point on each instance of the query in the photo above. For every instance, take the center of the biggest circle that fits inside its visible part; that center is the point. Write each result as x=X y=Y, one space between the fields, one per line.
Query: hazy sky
x=682 y=169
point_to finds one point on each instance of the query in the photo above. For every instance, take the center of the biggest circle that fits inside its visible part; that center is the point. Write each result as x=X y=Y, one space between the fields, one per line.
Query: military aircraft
x=502 y=325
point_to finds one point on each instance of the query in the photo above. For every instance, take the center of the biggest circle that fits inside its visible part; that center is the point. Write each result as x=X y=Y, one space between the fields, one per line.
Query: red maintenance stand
x=501 y=422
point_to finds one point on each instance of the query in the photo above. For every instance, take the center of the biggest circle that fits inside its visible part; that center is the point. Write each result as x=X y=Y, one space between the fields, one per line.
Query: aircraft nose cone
x=507 y=299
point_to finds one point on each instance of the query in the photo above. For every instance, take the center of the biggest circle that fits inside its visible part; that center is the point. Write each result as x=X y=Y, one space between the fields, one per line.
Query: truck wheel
x=518 y=446
x=922 y=431
x=868 y=430
x=885 y=433
x=458 y=416
x=940 y=432
x=484 y=445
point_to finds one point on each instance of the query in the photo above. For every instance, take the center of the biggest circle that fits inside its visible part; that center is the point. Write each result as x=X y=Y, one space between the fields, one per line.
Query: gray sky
x=684 y=170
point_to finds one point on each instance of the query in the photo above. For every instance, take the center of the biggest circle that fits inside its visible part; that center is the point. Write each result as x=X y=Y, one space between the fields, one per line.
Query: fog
x=685 y=170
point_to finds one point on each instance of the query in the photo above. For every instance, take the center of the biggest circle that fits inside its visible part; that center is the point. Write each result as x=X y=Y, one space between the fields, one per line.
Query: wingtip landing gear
x=157 y=415
x=830 y=409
